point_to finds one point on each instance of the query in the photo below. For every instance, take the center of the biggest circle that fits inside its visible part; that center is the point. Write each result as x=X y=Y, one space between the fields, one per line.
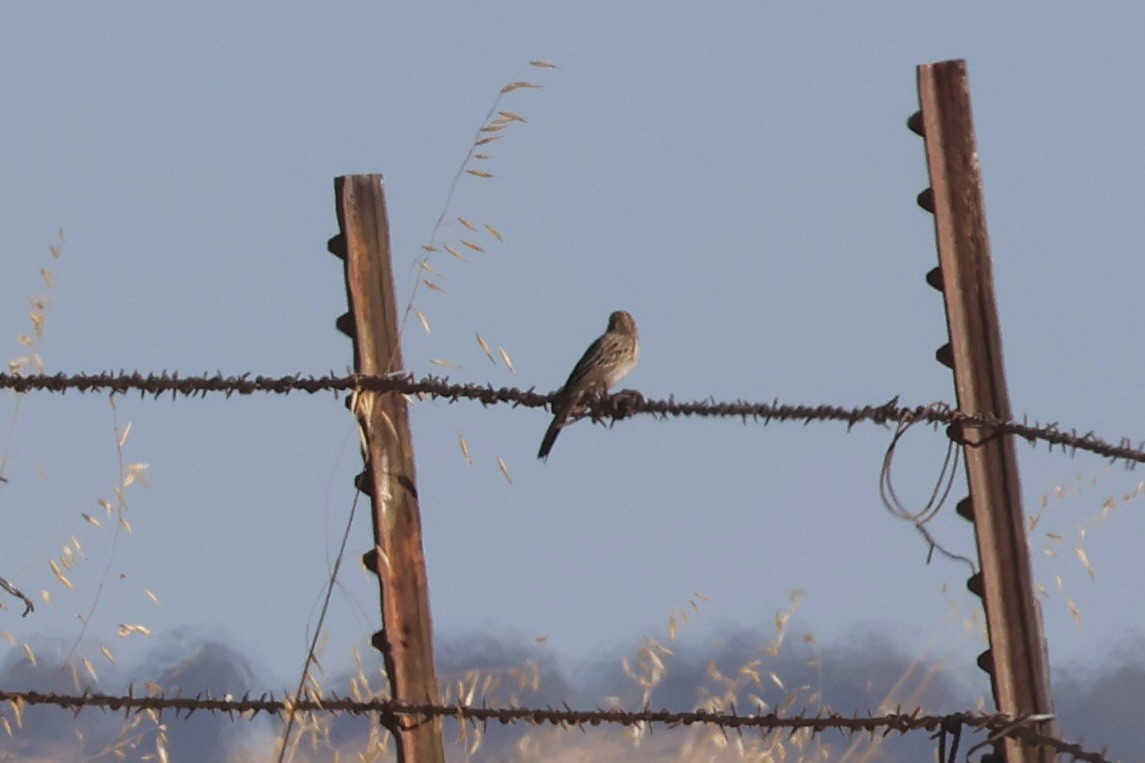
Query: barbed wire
x=997 y=724
x=609 y=407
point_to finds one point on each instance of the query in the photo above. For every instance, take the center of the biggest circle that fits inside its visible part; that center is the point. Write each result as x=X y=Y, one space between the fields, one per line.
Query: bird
x=607 y=360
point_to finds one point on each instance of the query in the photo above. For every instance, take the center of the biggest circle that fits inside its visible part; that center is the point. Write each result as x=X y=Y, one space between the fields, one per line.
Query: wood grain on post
x=406 y=639
x=1020 y=667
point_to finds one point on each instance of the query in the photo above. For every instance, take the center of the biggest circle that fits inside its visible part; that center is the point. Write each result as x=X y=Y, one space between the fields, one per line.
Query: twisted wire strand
x=16 y=592
x=998 y=724
x=608 y=408
x=938 y=497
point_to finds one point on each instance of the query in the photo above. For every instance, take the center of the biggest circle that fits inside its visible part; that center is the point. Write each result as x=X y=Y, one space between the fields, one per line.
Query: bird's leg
x=577 y=410
x=588 y=405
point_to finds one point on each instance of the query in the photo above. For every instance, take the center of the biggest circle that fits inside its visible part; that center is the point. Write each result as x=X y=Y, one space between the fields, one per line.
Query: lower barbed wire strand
x=997 y=724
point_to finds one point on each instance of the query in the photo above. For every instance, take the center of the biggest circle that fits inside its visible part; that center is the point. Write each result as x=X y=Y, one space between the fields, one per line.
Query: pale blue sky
x=740 y=179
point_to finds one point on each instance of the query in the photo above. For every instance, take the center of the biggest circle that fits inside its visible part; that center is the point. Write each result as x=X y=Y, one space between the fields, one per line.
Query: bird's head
x=621 y=322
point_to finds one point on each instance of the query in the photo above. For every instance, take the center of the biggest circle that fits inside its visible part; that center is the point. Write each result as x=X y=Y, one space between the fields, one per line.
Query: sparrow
x=604 y=363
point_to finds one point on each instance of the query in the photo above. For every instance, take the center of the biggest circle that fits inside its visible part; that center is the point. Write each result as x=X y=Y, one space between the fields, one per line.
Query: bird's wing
x=588 y=363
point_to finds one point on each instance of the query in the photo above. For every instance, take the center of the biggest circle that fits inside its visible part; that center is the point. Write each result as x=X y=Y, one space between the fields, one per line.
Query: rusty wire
x=943 y=485
x=608 y=407
x=14 y=591
x=997 y=724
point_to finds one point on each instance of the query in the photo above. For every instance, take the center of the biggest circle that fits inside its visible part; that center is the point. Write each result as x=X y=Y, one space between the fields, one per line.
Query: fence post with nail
x=1016 y=660
x=397 y=556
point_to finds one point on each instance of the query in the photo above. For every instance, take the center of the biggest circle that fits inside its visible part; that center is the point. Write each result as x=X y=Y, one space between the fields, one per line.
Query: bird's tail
x=550 y=437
